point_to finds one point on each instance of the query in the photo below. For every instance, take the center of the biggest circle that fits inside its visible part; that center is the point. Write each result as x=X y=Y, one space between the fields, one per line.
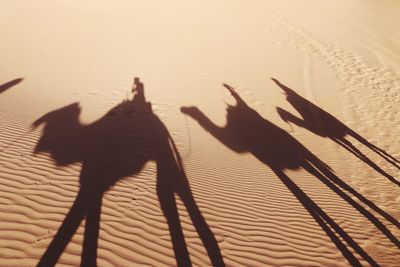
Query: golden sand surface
x=293 y=162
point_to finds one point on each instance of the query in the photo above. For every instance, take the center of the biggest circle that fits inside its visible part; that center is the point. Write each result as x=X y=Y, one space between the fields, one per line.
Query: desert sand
x=178 y=133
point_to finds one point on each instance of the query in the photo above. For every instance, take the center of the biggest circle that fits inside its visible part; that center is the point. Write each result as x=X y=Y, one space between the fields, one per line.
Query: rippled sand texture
x=306 y=173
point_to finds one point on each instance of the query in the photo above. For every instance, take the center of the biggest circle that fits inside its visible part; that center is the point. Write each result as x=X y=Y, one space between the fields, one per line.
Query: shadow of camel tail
x=10 y=84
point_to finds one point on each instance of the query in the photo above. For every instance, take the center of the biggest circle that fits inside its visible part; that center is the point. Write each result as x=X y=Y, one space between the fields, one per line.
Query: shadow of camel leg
x=332 y=177
x=92 y=227
x=206 y=235
x=64 y=234
x=168 y=205
x=352 y=149
x=386 y=156
x=332 y=181
x=326 y=223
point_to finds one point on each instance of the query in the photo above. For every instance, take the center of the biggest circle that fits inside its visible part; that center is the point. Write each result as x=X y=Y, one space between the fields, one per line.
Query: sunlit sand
x=211 y=133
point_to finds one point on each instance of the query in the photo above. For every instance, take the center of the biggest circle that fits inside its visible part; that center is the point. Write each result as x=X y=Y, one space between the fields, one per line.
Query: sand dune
x=298 y=170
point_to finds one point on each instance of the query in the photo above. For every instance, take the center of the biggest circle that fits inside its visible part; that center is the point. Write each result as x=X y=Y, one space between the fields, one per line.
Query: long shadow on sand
x=322 y=123
x=8 y=85
x=118 y=145
x=247 y=131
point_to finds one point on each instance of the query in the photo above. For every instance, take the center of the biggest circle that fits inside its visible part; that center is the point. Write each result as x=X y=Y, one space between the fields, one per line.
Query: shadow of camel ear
x=278 y=83
x=239 y=101
x=275 y=81
x=283 y=113
x=227 y=86
x=230 y=89
x=286 y=89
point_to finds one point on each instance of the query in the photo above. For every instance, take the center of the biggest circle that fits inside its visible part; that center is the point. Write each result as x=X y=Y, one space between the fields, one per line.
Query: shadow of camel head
x=59 y=136
x=10 y=84
x=114 y=146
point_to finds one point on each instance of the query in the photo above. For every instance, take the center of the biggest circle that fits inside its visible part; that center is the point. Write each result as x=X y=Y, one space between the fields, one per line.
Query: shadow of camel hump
x=118 y=145
x=321 y=123
x=247 y=131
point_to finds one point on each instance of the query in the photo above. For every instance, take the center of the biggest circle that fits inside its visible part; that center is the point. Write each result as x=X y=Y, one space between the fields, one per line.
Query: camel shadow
x=4 y=87
x=116 y=146
x=246 y=131
x=322 y=123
